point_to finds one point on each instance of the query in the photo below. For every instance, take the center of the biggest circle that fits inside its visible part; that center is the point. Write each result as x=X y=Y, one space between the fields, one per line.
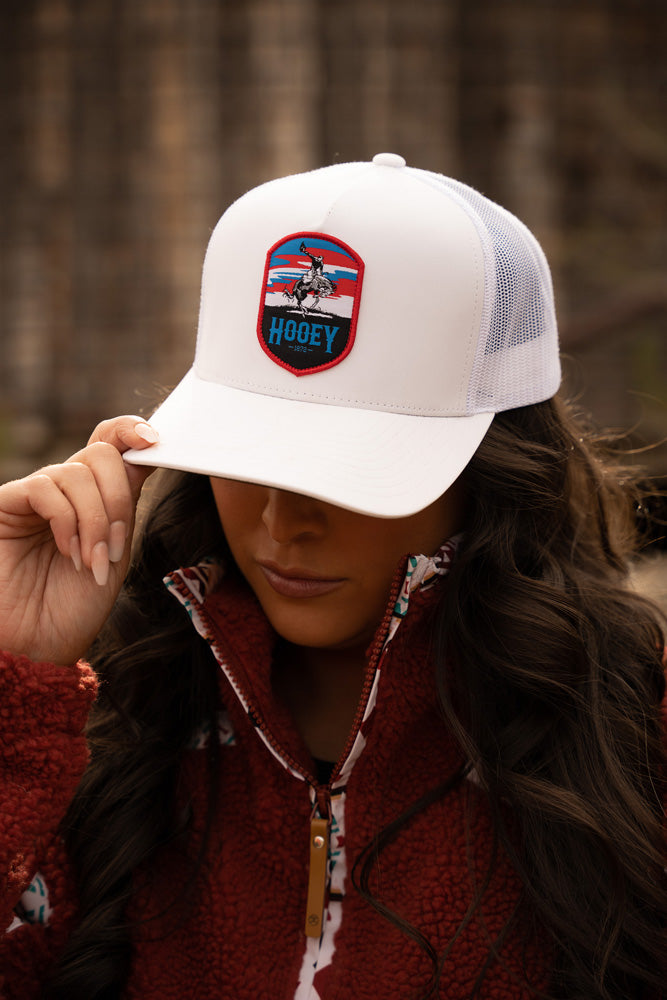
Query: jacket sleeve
x=43 y=753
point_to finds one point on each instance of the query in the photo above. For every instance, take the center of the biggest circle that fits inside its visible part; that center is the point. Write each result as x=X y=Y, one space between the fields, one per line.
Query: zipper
x=373 y=664
x=320 y=819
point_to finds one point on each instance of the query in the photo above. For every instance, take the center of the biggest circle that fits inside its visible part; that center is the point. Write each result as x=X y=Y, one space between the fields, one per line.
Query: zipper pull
x=317 y=875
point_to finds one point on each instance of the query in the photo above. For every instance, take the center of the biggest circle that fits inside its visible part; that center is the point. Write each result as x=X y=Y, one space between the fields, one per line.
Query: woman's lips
x=298 y=583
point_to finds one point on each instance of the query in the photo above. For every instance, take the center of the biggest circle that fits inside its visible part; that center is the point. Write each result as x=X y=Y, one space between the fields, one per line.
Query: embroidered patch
x=310 y=301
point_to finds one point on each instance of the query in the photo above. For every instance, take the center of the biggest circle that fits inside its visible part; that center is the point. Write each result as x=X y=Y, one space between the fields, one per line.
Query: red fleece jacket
x=242 y=933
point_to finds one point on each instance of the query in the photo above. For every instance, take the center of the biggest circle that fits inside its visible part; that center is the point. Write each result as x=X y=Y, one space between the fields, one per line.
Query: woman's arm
x=65 y=535
x=43 y=755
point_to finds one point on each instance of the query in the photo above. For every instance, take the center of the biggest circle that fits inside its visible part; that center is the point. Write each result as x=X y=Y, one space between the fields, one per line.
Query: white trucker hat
x=360 y=326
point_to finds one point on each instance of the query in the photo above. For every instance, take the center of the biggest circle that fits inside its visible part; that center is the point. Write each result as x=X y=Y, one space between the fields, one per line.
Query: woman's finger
x=113 y=484
x=110 y=474
x=79 y=485
x=125 y=432
x=91 y=520
x=40 y=496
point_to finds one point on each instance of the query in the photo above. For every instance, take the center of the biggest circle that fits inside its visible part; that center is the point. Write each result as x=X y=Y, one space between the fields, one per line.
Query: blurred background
x=129 y=125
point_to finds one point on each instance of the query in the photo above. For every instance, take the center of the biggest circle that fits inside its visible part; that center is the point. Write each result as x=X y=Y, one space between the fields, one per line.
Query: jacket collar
x=225 y=612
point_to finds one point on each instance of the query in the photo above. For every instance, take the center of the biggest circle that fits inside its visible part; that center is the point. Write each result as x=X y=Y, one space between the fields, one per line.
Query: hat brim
x=370 y=461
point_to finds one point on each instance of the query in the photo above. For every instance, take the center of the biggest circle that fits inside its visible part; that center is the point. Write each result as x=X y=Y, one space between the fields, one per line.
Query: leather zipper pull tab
x=317 y=875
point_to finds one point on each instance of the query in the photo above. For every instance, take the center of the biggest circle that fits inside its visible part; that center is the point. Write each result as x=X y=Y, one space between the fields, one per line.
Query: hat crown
x=455 y=307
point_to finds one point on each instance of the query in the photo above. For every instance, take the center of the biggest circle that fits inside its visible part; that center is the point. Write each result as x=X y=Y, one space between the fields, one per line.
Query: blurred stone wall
x=128 y=127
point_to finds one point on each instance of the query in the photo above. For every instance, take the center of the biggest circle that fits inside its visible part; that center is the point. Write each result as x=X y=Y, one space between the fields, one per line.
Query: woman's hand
x=65 y=537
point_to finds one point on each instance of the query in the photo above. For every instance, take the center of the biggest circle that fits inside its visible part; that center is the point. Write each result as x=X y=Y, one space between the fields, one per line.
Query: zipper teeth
x=376 y=652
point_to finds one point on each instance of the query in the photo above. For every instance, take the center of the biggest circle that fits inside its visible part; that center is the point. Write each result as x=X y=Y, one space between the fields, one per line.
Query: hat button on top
x=388 y=160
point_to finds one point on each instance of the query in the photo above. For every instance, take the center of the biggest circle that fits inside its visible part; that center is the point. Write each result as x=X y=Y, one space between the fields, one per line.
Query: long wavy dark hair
x=549 y=673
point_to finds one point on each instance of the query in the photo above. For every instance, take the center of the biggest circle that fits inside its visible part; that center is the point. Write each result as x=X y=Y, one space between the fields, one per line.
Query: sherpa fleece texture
x=43 y=709
x=240 y=935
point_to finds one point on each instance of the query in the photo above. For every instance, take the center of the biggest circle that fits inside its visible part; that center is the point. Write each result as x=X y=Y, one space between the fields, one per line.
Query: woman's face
x=323 y=574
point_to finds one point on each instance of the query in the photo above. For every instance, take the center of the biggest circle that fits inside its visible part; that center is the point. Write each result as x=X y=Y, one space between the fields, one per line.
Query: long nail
x=99 y=563
x=75 y=552
x=117 y=539
x=147 y=432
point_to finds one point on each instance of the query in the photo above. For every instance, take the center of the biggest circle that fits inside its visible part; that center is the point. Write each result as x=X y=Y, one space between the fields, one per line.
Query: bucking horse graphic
x=313 y=282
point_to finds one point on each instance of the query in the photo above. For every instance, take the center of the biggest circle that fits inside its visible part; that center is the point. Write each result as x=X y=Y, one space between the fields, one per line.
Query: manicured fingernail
x=117 y=539
x=75 y=552
x=99 y=563
x=147 y=432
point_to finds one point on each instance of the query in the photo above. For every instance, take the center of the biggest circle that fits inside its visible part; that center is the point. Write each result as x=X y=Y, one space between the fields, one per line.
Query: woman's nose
x=290 y=516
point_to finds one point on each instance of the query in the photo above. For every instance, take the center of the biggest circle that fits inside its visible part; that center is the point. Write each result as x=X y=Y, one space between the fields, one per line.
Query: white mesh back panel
x=517 y=359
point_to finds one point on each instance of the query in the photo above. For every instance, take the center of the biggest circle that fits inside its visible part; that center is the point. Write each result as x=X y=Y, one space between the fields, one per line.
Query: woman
x=411 y=746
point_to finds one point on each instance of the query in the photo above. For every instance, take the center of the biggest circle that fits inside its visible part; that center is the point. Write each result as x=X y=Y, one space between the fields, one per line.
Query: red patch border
x=355 y=308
